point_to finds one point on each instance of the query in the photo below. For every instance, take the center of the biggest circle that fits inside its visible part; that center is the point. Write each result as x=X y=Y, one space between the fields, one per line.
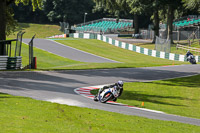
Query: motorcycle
x=191 y=59
x=107 y=95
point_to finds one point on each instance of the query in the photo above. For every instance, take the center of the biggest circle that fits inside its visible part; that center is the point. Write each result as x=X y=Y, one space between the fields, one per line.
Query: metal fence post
x=31 y=61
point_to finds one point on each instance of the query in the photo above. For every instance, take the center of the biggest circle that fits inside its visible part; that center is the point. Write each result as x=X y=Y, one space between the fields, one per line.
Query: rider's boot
x=115 y=99
x=95 y=98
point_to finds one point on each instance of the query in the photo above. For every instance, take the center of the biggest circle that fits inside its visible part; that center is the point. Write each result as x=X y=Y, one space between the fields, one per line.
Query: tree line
x=72 y=11
x=164 y=11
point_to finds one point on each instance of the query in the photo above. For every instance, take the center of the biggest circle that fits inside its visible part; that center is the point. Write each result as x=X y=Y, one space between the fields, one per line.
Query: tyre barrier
x=10 y=62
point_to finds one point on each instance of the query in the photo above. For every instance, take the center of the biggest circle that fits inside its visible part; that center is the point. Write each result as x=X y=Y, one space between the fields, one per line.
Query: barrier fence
x=10 y=62
x=6 y=60
x=197 y=50
x=3 y=62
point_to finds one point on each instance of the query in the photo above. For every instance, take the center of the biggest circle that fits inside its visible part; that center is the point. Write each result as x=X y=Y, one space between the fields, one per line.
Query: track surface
x=67 y=52
x=58 y=86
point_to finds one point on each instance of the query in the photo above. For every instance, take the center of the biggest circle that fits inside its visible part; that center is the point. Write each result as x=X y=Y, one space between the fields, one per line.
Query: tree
x=6 y=17
x=171 y=6
x=71 y=11
x=151 y=7
x=136 y=8
x=25 y=14
x=192 y=4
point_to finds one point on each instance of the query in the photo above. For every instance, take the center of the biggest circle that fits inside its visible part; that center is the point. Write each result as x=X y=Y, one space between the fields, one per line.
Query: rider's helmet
x=120 y=83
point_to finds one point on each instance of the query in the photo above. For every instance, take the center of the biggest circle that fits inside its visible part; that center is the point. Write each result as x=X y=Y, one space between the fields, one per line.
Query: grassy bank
x=126 y=57
x=25 y=115
x=176 y=96
x=41 y=30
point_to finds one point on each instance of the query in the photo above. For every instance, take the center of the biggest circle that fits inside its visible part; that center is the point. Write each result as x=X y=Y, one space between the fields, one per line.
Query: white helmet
x=120 y=83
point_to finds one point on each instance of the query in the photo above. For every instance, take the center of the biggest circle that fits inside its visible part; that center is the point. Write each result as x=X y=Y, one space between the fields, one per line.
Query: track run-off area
x=59 y=86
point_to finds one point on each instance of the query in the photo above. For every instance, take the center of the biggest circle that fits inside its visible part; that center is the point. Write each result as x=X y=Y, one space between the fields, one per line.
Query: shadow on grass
x=22 y=26
x=157 y=99
x=193 y=81
x=4 y=95
x=135 y=95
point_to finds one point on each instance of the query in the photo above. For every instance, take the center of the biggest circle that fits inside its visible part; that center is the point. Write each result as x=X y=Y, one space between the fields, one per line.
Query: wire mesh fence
x=18 y=44
x=163 y=45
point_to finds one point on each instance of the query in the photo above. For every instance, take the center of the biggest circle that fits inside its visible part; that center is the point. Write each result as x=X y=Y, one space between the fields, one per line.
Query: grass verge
x=178 y=96
x=20 y=114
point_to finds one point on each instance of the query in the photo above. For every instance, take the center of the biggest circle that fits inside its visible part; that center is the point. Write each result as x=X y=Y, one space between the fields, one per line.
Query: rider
x=118 y=85
x=188 y=54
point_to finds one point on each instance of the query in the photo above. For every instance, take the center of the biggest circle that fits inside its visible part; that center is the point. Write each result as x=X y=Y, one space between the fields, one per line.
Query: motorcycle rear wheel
x=193 y=61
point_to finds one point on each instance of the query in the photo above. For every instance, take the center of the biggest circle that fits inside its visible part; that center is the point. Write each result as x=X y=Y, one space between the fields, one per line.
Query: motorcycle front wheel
x=106 y=97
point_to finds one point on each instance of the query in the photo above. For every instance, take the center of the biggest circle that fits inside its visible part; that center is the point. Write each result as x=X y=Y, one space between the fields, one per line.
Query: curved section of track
x=58 y=86
x=68 y=52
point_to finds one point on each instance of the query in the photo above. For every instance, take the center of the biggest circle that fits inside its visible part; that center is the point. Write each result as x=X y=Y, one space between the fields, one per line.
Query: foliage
x=35 y=3
x=192 y=4
x=25 y=14
x=71 y=11
x=119 y=8
x=11 y=23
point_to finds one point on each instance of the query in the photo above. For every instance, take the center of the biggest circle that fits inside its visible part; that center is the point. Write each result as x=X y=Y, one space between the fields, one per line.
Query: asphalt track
x=58 y=86
x=67 y=52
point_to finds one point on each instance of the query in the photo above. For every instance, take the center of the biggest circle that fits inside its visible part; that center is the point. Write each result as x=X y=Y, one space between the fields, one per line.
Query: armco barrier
x=154 y=53
x=3 y=62
x=10 y=62
x=84 y=35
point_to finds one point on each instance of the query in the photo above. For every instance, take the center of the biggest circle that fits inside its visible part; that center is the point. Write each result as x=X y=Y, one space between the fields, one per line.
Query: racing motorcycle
x=191 y=59
x=108 y=94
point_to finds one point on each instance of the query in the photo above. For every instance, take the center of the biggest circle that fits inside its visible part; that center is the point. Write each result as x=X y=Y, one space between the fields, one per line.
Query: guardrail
x=10 y=62
x=3 y=62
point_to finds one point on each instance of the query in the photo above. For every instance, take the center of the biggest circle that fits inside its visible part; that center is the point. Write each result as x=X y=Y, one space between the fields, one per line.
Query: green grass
x=25 y=115
x=126 y=57
x=176 y=96
x=41 y=30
